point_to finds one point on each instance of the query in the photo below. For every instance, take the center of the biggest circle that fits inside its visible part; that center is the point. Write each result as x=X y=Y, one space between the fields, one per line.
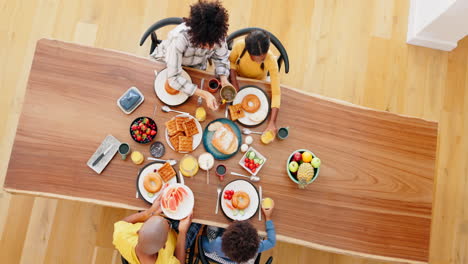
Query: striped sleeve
x=221 y=60
x=174 y=54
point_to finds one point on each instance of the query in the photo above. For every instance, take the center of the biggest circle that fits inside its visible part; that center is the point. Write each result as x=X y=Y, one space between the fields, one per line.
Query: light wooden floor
x=350 y=50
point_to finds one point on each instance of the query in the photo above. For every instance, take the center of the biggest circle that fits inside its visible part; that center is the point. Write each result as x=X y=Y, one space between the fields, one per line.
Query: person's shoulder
x=270 y=60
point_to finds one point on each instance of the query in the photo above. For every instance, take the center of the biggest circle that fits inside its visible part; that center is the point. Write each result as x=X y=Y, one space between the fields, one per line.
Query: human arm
x=174 y=52
x=221 y=61
x=233 y=77
x=184 y=225
x=272 y=67
x=209 y=99
x=233 y=56
x=270 y=242
x=142 y=216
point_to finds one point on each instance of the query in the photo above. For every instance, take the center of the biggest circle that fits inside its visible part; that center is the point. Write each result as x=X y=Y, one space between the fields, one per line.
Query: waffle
x=171 y=127
x=166 y=172
x=236 y=111
x=190 y=128
x=180 y=122
x=185 y=144
x=175 y=140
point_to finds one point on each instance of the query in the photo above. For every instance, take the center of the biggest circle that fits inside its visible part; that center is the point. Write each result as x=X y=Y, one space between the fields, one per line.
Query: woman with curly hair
x=202 y=36
x=240 y=242
x=252 y=58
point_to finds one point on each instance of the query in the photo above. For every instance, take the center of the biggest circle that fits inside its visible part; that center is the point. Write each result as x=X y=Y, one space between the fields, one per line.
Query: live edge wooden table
x=373 y=197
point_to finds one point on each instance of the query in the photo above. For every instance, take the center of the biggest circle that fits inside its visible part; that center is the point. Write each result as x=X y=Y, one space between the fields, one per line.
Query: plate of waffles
x=251 y=107
x=183 y=133
x=152 y=178
x=168 y=97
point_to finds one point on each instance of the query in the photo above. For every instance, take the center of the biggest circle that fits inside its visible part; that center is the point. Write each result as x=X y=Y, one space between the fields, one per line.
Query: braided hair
x=257 y=43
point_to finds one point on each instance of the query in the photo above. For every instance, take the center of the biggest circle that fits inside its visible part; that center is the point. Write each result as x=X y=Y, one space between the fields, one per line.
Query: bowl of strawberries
x=143 y=130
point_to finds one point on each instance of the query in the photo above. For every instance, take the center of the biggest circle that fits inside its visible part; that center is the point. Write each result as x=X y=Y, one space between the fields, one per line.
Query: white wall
x=437 y=24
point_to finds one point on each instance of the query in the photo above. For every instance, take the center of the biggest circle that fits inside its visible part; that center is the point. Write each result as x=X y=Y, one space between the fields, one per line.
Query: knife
x=181 y=178
x=101 y=156
x=260 y=209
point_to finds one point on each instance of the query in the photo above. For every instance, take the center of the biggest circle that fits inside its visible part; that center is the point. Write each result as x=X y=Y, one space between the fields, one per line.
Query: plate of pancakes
x=166 y=94
x=244 y=202
x=151 y=179
x=183 y=133
x=251 y=107
x=222 y=138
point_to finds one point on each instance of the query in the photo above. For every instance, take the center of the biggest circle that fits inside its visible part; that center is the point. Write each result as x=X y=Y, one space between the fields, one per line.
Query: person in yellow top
x=252 y=58
x=146 y=237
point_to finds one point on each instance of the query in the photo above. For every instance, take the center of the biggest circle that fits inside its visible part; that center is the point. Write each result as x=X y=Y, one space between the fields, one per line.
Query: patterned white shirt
x=177 y=51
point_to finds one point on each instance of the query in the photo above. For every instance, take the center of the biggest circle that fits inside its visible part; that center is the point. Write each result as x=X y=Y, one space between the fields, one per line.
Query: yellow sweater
x=250 y=69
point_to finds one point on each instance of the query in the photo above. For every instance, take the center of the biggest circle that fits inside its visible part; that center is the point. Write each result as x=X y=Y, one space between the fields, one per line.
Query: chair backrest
x=152 y=30
x=283 y=54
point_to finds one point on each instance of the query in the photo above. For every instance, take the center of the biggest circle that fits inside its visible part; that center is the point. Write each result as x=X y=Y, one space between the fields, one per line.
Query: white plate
x=264 y=105
x=185 y=208
x=196 y=138
x=241 y=185
x=169 y=99
x=141 y=178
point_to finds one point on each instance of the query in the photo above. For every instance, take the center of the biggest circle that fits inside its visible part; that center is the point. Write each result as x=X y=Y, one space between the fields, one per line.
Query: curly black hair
x=208 y=22
x=240 y=241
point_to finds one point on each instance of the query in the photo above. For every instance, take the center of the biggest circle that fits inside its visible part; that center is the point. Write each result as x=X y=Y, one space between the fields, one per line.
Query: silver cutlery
x=247 y=131
x=200 y=99
x=260 y=209
x=252 y=177
x=101 y=156
x=167 y=109
x=217 y=200
x=171 y=161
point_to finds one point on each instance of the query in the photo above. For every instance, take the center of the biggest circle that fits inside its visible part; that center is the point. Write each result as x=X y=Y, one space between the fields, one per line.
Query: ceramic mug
x=213 y=85
x=124 y=149
x=221 y=171
x=283 y=132
x=228 y=93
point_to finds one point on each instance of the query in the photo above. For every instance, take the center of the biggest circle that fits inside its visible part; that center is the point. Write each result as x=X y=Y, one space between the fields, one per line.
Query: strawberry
x=153 y=132
x=138 y=138
x=145 y=120
x=143 y=127
x=144 y=136
x=137 y=132
x=134 y=127
x=148 y=131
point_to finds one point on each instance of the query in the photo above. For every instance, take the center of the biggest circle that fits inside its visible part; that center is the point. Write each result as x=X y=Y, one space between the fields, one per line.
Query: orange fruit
x=306 y=157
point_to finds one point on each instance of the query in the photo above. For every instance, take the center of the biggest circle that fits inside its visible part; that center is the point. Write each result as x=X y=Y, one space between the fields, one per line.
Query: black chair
x=206 y=260
x=152 y=31
x=274 y=40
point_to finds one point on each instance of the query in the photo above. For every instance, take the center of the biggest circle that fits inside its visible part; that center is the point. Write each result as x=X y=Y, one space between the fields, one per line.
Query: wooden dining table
x=372 y=198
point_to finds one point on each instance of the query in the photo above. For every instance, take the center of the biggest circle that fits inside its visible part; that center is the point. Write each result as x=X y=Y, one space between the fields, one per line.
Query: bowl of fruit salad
x=143 y=130
x=303 y=167
x=252 y=161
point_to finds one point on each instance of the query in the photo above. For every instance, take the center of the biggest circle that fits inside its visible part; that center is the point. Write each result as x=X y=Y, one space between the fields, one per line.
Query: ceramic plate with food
x=222 y=138
x=150 y=174
x=163 y=95
x=177 y=201
x=252 y=161
x=239 y=200
x=183 y=133
x=255 y=104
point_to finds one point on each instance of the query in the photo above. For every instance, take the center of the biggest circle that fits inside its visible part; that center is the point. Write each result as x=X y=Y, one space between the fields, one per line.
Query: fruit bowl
x=292 y=170
x=143 y=130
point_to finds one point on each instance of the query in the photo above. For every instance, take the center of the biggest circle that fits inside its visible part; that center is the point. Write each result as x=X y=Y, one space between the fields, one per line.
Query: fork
x=217 y=200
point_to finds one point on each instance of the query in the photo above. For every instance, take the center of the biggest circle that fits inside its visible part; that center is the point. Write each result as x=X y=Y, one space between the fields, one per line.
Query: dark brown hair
x=208 y=22
x=240 y=241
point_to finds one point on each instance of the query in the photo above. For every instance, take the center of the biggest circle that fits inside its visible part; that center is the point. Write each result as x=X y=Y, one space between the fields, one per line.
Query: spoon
x=171 y=161
x=252 y=178
x=247 y=131
x=167 y=109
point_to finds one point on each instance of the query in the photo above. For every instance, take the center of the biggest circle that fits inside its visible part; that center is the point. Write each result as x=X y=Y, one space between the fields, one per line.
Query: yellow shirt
x=250 y=69
x=126 y=239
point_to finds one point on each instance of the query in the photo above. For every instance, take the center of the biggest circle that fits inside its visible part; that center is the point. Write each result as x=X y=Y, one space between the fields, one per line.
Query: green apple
x=293 y=166
x=316 y=162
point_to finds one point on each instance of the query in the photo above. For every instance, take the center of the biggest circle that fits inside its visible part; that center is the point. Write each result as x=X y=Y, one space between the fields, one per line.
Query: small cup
x=221 y=171
x=213 y=85
x=228 y=93
x=283 y=132
x=124 y=149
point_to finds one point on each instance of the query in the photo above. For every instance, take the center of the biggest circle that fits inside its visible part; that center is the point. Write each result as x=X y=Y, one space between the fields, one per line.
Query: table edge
x=206 y=222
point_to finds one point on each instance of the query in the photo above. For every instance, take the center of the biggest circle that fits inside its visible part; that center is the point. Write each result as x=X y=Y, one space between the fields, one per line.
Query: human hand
x=224 y=81
x=184 y=224
x=268 y=211
x=211 y=102
x=155 y=209
x=271 y=127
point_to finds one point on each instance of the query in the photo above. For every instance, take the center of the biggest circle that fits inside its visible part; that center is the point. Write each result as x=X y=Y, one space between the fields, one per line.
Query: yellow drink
x=267 y=137
x=137 y=157
x=267 y=203
x=188 y=166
